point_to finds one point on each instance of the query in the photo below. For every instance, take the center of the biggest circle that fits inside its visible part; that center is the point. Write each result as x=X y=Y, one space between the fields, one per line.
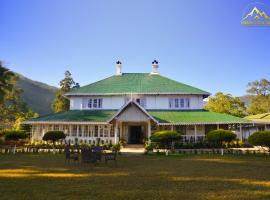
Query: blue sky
x=200 y=42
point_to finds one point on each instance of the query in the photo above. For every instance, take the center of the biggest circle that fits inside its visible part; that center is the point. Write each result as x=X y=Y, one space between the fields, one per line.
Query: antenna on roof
x=154 y=68
x=118 y=68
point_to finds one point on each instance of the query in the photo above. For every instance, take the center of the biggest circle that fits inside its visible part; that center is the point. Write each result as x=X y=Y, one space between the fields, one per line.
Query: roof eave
x=129 y=93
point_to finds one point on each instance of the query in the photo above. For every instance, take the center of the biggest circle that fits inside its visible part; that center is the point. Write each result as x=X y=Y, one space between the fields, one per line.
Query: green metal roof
x=162 y=116
x=77 y=116
x=199 y=117
x=137 y=83
x=265 y=117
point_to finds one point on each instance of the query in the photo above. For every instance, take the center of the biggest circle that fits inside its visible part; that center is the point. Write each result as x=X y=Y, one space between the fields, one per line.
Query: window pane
x=182 y=103
x=90 y=103
x=99 y=103
x=95 y=103
x=176 y=103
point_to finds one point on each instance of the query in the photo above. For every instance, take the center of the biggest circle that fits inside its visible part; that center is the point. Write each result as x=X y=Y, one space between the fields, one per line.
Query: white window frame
x=179 y=103
x=95 y=103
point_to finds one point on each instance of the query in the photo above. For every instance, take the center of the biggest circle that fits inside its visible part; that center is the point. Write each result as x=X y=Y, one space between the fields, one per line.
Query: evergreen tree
x=60 y=102
x=6 y=81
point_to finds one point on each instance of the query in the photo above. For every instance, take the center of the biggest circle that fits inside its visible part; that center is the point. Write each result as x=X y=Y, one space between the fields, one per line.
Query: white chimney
x=118 y=68
x=154 y=68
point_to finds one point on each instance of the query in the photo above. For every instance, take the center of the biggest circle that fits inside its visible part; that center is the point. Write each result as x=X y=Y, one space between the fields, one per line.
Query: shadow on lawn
x=138 y=177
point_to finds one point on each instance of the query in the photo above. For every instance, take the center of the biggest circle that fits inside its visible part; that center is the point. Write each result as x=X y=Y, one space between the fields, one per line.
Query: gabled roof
x=139 y=83
x=264 y=118
x=135 y=104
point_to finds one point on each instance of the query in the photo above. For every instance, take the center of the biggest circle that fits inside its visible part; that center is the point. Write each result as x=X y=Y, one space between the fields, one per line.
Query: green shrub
x=260 y=138
x=220 y=136
x=149 y=147
x=116 y=147
x=54 y=136
x=14 y=135
x=165 y=137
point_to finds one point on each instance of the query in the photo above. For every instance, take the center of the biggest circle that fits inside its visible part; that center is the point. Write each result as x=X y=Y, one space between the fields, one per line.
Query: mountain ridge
x=37 y=95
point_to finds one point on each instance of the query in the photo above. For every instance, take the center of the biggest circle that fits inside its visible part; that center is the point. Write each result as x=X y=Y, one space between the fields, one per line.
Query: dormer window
x=95 y=103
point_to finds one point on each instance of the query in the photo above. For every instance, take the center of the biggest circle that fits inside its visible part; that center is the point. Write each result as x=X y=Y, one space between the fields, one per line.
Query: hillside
x=37 y=95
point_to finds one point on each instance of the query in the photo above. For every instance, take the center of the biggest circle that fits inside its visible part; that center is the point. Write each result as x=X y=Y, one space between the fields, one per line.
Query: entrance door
x=135 y=134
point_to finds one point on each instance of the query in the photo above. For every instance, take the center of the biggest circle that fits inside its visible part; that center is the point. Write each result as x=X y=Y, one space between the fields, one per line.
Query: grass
x=44 y=176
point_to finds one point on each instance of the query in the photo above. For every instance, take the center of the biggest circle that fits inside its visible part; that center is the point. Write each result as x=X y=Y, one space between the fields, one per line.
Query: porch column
x=265 y=127
x=70 y=130
x=115 y=133
x=195 y=131
x=149 y=130
x=241 y=132
x=77 y=134
x=217 y=126
x=172 y=128
x=32 y=134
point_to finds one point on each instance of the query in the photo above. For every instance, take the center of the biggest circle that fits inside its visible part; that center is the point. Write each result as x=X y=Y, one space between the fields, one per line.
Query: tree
x=60 y=102
x=12 y=110
x=220 y=136
x=6 y=81
x=226 y=103
x=165 y=137
x=260 y=104
x=54 y=136
x=261 y=87
x=260 y=99
x=260 y=138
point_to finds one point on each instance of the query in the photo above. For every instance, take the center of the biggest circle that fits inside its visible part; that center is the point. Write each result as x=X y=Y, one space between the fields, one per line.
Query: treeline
x=258 y=92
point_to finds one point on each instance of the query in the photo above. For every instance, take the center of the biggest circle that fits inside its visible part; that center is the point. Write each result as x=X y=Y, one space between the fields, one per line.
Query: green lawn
x=26 y=176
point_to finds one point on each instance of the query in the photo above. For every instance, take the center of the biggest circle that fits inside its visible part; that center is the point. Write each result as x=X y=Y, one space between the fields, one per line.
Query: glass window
x=96 y=131
x=176 y=103
x=112 y=131
x=90 y=103
x=99 y=103
x=182 y=103
x=74 y=130
x=95 y=103
x=101 y=131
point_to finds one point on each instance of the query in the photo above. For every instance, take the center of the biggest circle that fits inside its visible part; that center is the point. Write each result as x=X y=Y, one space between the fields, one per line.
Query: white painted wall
x=152 y=101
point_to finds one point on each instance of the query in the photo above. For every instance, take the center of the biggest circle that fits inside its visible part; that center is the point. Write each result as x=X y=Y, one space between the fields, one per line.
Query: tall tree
x=260 y=91
x=13 y=110
x=6 y=81
x=261 y=87
x=226 y=103
x=60 y=102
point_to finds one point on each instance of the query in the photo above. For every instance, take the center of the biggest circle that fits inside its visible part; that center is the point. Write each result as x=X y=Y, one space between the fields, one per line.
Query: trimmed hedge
x=54 y=136
x=13 y=135
x=161 y=136
x=260 y=138
x=220 y=136
x=165 y=138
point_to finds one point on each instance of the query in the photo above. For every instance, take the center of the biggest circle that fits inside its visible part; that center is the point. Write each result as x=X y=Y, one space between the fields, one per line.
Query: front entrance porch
x=135 y=135
x=133 y=132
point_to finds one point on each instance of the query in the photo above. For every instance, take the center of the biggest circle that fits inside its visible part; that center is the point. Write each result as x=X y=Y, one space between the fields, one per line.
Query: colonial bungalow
x=130 y=107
